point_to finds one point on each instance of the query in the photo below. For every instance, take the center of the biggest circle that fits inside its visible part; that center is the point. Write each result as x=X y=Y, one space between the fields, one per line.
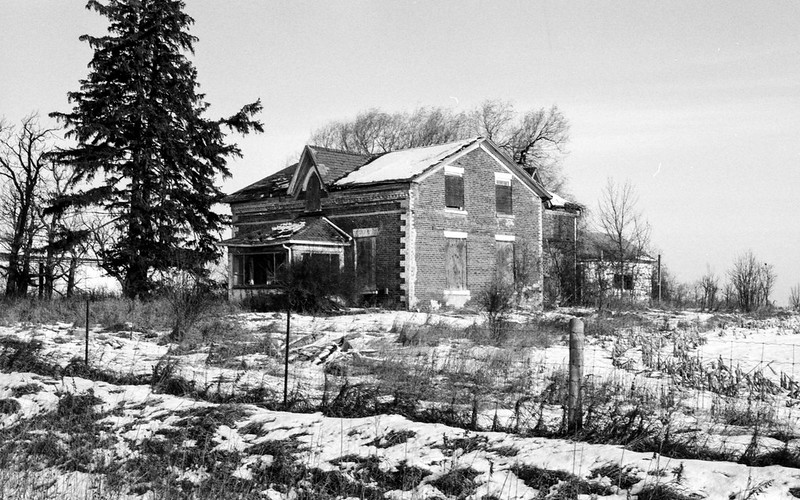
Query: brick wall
x=480 y=222
x=379 y=207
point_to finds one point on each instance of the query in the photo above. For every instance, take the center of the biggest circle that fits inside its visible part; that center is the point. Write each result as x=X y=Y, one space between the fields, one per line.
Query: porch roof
x=304 y=231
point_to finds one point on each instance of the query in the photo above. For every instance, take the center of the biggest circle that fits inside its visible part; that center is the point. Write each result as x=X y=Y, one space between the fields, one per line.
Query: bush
x=496 y=301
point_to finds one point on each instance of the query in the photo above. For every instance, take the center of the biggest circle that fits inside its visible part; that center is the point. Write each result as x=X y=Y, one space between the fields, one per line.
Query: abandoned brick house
x=605 y=270
x=427 y=226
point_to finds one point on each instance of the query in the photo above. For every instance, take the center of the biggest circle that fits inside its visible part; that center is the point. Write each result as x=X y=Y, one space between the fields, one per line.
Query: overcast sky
x=698 y=104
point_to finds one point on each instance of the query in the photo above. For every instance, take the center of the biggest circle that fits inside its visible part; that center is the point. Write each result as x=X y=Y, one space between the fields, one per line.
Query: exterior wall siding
x=481 y=223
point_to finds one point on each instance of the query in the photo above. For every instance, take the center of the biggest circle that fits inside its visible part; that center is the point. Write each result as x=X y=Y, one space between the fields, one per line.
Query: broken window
x=258 y=269
x=623 y=281
x=456 y=264
x=504 y=261
x=365 y=263
x=502 y=196
x=454 y=190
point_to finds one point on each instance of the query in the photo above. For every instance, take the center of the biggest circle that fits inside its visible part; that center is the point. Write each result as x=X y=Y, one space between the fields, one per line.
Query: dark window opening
x=313 y=203
x=258 y=269
x=502 y=193
x=456 y=264
x=454 y=191
x=365 y=263
x=623 y=281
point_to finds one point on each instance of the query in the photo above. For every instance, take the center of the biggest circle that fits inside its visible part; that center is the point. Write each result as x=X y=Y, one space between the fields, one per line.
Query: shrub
x=496 y=301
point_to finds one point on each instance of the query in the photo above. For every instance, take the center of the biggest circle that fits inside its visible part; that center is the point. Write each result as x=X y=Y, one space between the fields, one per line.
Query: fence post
x=286 y=360
x=86 y=351
x=574 y=410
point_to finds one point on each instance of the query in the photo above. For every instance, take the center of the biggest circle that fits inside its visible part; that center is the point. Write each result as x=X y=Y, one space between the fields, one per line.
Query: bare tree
x=709 y=286
x=23 y=151
x=794 y=298
x=624 y=227
x=538 y=143
x=752 y=281
x=535 y=139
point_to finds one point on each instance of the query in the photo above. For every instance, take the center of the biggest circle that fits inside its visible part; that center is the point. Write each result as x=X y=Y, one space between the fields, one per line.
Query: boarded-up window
x=502 y=195
x=454 y=191
x=313 y=194
x=365 y=263
x=505 y=261
x=456 y=264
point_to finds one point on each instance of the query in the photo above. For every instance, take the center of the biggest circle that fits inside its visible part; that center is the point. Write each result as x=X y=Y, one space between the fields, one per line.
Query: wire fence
x=634 y=379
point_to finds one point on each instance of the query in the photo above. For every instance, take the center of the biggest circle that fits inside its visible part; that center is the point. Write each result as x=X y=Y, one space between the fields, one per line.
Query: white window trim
x=505 y=237
x=502 y=178
x=451 y=210
x=459 y=235
x=365 y=232
x=451 y=170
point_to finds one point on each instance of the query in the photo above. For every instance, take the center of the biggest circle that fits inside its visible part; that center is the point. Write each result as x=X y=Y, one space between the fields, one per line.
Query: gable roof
x=334 y=164
x=315 y=230
x=594 y=245
x=341 y=170
x=404 y=164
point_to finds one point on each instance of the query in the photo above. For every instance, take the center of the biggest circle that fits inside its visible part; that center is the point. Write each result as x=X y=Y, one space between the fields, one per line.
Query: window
x=456 y=262
x=502 y=194
x=504 y=261
x=365 y=263
x=313 y=194
x=257 y=269
x=623 y=281
x=324 y=265
x=454 y=187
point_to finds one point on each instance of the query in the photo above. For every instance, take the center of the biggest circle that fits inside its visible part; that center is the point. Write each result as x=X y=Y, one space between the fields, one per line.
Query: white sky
x=697 y=103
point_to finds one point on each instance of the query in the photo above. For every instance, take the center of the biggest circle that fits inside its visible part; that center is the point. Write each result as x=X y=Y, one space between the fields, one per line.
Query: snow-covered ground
x=752 y=350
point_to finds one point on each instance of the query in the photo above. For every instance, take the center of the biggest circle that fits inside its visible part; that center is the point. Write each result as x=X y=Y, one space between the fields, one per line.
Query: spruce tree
x=144 y=148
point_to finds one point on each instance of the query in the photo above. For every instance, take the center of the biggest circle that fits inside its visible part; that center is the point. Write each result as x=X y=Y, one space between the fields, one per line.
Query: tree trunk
x=73 y=264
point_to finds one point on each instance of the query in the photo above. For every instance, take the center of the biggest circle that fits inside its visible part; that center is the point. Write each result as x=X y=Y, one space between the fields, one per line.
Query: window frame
x=450 y=174
x=458 y=239
x=503 y=183
x=244 y=268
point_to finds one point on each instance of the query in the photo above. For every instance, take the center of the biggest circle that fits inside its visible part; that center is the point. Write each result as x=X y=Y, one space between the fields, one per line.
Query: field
x=676 y=405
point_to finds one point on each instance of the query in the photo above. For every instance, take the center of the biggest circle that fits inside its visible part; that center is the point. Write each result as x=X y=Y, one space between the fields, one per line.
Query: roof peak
x=473 y=138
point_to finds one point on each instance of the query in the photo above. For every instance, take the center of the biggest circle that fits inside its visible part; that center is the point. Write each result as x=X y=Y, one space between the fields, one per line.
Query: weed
x=26 y=389
x=665 y=492
x=458 y=483
x=392 y=438
x=624 y=478
x=9 y=406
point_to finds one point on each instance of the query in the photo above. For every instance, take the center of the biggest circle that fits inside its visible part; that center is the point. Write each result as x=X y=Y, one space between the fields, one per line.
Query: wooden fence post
x=574 y=409
x=286 y=360
x=86 y=345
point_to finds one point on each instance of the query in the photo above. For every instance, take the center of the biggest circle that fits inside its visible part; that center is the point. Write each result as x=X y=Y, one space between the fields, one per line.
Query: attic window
x=454 y=187
x=313 y=194
x=502 y=194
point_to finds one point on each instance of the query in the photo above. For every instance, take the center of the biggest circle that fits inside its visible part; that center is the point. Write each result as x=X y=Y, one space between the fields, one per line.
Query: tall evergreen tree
x=144 y=147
